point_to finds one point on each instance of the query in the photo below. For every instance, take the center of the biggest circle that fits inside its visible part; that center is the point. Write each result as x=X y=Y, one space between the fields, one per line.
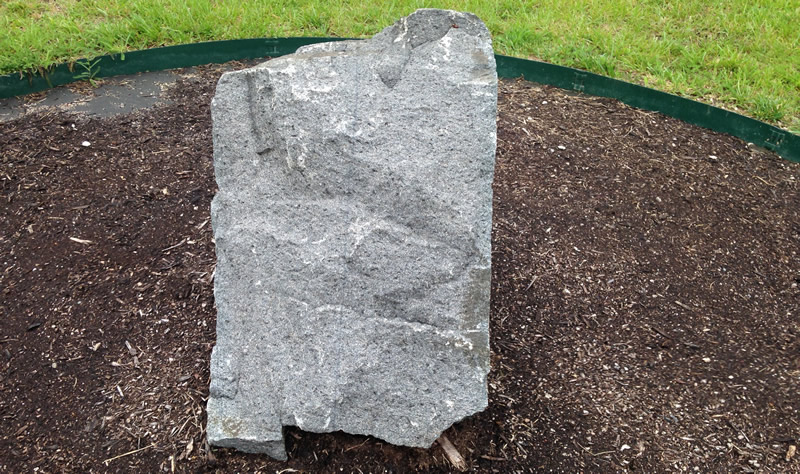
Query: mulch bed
x=645 y=297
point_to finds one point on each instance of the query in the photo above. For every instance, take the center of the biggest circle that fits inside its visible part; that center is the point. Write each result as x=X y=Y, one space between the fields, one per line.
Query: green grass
x=743 y=55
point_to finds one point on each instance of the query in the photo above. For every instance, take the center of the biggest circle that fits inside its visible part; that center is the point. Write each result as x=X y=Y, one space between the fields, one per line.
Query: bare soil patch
x=644 y=316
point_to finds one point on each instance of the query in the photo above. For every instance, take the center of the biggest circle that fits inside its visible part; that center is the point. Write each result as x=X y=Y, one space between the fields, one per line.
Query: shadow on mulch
x=644 y=301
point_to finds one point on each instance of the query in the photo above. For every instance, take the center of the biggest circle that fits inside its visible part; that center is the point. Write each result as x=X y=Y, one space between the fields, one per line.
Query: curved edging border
x=768 y=136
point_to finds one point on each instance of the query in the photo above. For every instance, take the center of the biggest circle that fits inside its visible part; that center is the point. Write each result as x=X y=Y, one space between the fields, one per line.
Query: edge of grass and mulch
x=697 y=113
x=741 y=56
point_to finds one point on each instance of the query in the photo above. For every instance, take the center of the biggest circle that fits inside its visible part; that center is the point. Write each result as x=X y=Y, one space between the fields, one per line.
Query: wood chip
x=791 y=452
x=452 y=453
x=188 y=451
x=131 y=350
x=81 y=241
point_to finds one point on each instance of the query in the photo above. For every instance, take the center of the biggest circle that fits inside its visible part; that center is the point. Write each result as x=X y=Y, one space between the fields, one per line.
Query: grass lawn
x=742 y=55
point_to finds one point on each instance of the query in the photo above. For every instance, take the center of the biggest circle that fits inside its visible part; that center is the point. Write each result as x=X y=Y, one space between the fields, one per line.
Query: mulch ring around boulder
x=644 y=315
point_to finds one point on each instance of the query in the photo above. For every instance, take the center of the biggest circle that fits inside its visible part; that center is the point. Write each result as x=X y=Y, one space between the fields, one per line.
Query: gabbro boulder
x=353 y=233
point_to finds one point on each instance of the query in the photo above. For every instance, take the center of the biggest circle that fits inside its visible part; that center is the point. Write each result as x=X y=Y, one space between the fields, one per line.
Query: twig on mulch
x=356 y=445
x=492 y=458
x=589 y=451
x=660 y=333
x=174 y=246
x=127 y=454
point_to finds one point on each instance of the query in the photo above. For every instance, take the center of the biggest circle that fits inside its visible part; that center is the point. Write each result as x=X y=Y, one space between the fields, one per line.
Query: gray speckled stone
x=353 y=231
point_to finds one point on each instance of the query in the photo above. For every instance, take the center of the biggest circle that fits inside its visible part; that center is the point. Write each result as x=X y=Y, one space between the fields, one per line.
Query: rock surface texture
x=353 y=232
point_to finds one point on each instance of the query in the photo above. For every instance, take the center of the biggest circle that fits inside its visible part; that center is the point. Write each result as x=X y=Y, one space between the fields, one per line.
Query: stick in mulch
x=452 y=453
x=127 y=454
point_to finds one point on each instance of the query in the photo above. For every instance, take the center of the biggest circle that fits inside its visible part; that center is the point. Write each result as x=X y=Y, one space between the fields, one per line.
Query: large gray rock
x=353 y=225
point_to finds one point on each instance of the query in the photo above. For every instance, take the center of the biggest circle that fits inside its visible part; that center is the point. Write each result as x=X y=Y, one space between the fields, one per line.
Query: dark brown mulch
x=645 y=298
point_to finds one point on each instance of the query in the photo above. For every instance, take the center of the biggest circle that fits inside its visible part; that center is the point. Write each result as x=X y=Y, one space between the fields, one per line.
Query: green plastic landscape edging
x=762 y=134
